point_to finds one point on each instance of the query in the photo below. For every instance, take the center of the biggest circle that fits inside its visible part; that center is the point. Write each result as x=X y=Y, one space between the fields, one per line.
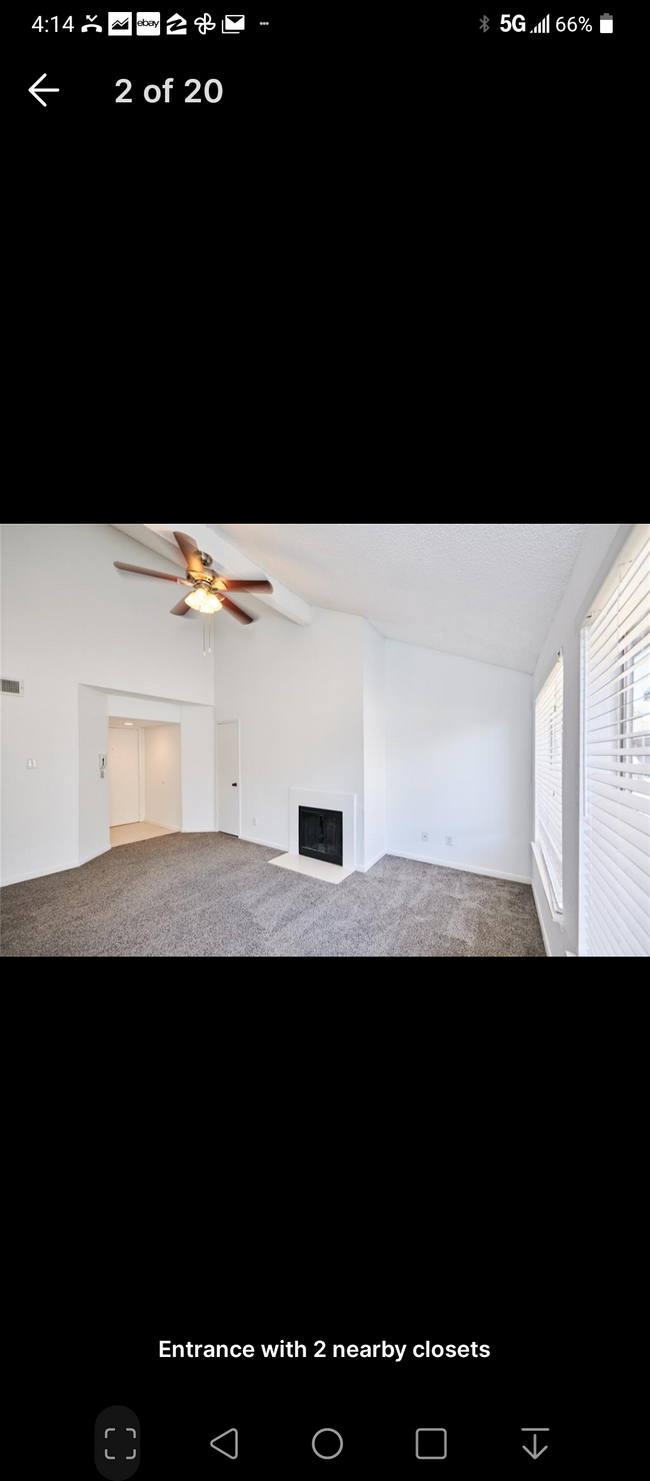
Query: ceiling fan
x=209 y=592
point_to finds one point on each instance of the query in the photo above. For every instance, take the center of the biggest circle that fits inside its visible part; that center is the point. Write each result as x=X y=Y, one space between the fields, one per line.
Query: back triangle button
x=231 y=1445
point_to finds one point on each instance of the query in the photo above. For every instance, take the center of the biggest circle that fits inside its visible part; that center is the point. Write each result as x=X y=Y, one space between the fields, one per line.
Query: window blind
x=615 y=884
x=548 y=776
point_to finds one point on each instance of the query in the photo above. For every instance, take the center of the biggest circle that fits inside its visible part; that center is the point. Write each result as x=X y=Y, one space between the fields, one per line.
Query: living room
x=333 y=740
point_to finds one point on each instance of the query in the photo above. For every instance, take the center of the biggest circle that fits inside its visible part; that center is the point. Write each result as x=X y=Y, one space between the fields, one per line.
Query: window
x=548 y=777
x=615 y=849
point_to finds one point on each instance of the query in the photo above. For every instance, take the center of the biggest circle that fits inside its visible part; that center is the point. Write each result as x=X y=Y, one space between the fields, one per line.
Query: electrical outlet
x=449 y=842
x=425 y=837
x=32 y=763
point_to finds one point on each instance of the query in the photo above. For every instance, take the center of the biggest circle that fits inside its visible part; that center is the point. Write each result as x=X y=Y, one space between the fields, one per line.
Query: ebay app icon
x=148 y=23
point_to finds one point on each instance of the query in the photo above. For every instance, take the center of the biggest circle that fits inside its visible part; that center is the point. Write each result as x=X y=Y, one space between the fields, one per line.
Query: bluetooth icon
x=485 y=24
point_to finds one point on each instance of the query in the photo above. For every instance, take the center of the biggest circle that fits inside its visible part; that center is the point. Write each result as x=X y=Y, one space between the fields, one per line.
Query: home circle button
x=327 y=1444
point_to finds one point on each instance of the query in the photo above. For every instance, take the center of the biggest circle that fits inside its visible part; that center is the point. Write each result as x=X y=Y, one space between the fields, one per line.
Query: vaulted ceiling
x=484 y=591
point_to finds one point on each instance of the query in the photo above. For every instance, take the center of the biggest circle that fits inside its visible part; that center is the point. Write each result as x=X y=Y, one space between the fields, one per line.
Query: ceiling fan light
x=195 y=599
x=211 y=603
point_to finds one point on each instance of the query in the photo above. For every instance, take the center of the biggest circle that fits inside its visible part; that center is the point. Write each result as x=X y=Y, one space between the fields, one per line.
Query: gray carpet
x=206 y=894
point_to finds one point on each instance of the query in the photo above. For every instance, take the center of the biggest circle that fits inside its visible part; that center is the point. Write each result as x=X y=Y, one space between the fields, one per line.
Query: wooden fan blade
x=235 y=611
x=181 y=610
x=253 y=586
x=142 y=571
x=190 y=551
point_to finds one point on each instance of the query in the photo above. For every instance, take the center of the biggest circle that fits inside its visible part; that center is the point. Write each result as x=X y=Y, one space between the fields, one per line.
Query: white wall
x=374 y=744
x=336 y=707
x=459 y=761
x=89 y=625
x=94 y=837
x=162 y=745
x=133 y=707
x=298 y=693
x=597 y=555
x=198 y=768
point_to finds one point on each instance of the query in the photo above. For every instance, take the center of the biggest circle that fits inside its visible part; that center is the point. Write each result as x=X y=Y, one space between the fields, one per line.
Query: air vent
x=12 y=686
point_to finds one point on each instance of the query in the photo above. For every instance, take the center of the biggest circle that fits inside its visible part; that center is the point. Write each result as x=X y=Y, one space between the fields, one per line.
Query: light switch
x=32 y=763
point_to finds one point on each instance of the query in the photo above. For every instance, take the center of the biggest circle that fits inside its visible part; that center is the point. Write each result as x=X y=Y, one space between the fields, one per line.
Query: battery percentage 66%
x=572 y=24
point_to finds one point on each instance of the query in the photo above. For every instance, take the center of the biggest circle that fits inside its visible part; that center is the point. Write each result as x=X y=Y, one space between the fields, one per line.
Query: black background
x=277 y=1405
x=547 y=105
x=301 y=1171
x=157 y=242
x=158 y=180
x=310 y=103
x=541 y=140
x=388 y=179
x=354 y=1189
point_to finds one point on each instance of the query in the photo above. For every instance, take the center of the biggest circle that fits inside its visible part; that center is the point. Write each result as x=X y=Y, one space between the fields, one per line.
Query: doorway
x=229 y=789
x=144 y=777
x=123 y=777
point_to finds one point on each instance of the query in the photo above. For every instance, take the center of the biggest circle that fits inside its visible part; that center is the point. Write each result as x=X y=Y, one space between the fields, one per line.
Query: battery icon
x=606 y=23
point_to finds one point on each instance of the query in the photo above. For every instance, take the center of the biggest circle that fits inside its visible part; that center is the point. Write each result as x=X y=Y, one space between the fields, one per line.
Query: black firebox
x=321 y=834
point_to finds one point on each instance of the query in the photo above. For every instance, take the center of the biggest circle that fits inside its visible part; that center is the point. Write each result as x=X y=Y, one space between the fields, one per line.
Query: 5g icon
x=518 y=23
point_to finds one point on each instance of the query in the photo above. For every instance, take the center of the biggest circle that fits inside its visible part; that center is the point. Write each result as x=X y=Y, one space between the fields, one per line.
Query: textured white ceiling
x=483 y=591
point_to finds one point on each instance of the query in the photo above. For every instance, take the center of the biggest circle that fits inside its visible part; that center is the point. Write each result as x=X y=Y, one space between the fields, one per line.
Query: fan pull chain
x=204 y=653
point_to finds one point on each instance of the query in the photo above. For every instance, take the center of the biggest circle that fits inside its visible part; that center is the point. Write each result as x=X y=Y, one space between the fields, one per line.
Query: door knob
x=233 y=784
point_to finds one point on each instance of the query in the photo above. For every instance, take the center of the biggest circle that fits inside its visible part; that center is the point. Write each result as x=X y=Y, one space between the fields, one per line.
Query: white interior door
x=123 y=777
x=228 y=763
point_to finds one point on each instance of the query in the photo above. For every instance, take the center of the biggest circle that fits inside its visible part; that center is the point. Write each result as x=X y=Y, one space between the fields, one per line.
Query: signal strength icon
x=544 y=26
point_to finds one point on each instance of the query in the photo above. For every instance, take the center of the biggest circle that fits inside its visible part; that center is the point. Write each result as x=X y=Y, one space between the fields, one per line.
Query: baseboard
x=282 y=848
x=57 y=869
x=464 y=868
x=540 y=918
x=97 y=854
x=40 y=873
x=363 y=868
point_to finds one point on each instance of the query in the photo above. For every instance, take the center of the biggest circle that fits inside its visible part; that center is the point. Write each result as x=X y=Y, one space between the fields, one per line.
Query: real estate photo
x=331 y=740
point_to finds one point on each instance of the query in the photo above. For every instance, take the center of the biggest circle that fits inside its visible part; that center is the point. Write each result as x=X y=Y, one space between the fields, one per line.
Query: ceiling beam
x=225 y=558
x=153 y=542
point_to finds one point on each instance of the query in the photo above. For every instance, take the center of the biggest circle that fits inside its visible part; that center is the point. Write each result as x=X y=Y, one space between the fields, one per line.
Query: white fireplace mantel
x=343 y=802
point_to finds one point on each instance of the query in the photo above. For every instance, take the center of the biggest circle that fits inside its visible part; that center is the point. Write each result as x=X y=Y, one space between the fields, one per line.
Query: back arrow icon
x=535 y=1452
x=233 y=1444
x=35 y=90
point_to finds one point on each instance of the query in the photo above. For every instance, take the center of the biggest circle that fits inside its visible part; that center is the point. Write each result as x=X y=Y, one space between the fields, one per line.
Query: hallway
x=136 y=832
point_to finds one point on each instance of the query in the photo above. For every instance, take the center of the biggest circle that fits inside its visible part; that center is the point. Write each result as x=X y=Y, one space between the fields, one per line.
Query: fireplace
x=320 y=834
x=324 y=804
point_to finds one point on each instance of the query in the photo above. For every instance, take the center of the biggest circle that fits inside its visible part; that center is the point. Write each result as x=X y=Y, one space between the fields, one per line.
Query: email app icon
x=233 y=24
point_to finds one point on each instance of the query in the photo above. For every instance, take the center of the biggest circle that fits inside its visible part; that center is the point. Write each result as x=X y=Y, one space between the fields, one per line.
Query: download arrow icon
x=535 y=1453
x=36 y=91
